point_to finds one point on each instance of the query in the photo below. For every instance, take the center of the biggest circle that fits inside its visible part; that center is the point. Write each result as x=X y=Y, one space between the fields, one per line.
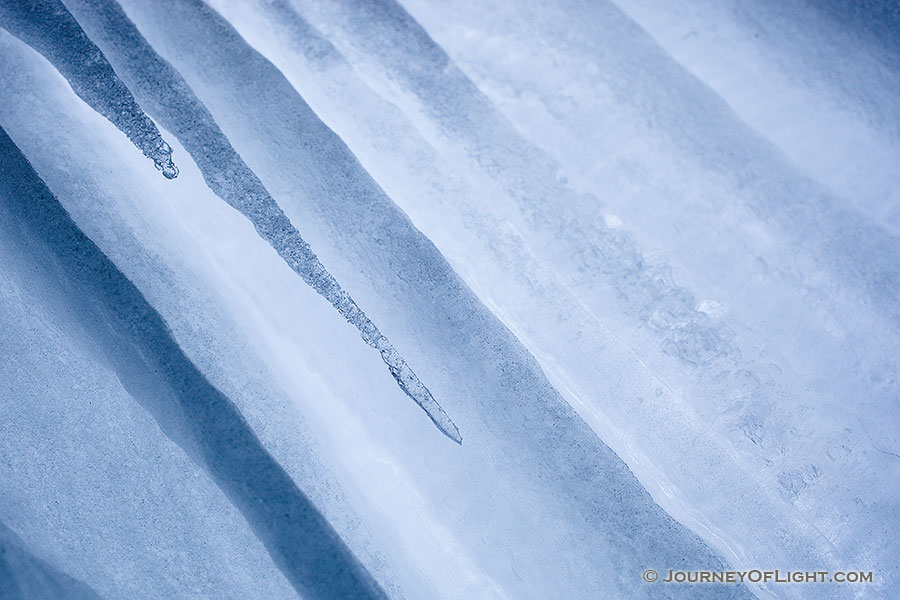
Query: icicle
x=169 y=98
x=48 y=27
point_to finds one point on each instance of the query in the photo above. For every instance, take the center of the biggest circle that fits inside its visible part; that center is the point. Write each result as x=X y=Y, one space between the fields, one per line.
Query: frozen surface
x=50 y=29
x=159 y=86
x=646 y=256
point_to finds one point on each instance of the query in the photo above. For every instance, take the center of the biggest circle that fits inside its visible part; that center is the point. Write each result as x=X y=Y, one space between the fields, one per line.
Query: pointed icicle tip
x=168 y=169
x=453 y=434
x=162 y=158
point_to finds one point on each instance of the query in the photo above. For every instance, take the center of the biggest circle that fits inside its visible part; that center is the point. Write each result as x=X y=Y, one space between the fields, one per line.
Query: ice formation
x=647 y=255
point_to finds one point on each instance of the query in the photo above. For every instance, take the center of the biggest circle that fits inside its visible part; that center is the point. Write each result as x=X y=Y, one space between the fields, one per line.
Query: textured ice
x=646 y=256
x=24 y=576
x=159 y=86
x=48 y=27
x=191 y=412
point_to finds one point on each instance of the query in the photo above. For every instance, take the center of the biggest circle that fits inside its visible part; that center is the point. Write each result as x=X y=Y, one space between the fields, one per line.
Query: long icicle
x=171 y=101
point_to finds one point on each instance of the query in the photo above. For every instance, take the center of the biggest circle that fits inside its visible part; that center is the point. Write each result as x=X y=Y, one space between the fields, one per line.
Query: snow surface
x=643 y=257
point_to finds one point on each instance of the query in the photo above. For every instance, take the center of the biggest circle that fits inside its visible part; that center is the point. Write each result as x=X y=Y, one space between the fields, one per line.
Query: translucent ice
x=47 y=26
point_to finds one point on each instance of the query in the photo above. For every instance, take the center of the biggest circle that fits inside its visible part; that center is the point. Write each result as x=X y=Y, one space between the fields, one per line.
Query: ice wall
x=663 y=319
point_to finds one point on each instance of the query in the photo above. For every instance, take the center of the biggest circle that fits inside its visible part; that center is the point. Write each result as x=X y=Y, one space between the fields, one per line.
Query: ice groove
x=191 y=411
